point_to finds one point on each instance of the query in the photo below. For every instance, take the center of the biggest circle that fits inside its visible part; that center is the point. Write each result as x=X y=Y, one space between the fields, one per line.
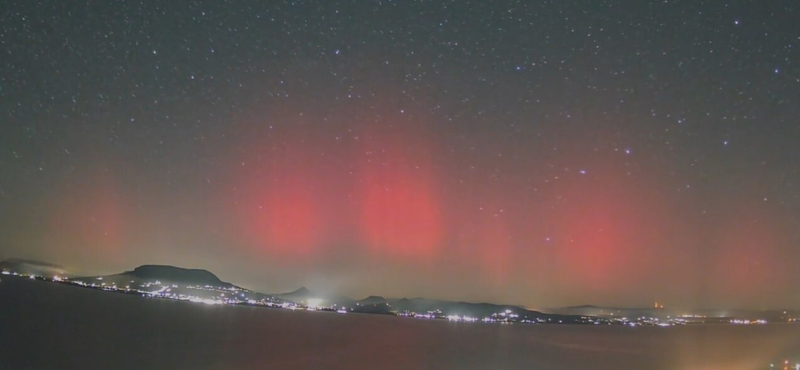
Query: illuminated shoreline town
x=204 y=288
x=302 y=299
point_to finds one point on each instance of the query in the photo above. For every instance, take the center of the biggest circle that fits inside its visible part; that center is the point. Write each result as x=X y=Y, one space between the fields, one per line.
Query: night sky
x=542 y=153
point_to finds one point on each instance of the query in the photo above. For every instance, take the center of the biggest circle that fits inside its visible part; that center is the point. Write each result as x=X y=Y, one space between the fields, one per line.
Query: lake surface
x=54 y=326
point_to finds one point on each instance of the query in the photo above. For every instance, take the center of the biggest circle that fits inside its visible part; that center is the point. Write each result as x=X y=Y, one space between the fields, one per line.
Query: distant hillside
x=177 y=281
x=380 y=305
x=599 y=311
x=163 y=273
x=23 y=261
x=303 y=295
x=31 y=267
x=422 y=305
x=302 y=292
x=373 y=299
x=176 y=274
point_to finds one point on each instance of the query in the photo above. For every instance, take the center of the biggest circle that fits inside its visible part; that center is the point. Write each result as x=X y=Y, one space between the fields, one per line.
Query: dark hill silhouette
x=25 y=266
x=301 y=292
x=182 y=280
x=22 y=261
x=176 y=274
x=373 y=299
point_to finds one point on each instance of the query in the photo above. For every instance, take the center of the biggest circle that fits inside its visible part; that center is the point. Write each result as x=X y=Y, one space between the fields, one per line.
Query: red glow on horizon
x=287 y=217
x=745 y=262
x=277 y=205
x=386 y=193
x=495 y=250
x=603 y=231
x=89 y=214
x=400 y=212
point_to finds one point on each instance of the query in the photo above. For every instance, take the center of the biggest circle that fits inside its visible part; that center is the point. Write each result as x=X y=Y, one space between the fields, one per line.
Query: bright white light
x=314 y=302
x=206 y=301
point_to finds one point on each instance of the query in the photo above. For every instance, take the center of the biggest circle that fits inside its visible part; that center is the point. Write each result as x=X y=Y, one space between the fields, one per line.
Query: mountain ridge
x=179 y=279
x=176 y=274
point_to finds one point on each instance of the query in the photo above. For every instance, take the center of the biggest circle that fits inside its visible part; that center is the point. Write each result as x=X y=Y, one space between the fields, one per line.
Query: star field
x=542 y=153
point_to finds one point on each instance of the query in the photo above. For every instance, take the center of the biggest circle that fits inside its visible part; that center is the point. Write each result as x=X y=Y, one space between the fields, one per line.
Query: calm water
x=50 y=326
